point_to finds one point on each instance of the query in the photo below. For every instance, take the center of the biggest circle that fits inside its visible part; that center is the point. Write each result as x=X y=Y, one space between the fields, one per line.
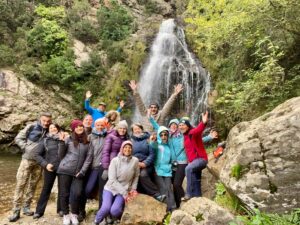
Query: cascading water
x=171 y=63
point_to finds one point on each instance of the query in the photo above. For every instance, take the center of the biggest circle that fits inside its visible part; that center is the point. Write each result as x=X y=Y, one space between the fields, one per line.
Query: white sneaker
x=67 y=220
x=74 y=219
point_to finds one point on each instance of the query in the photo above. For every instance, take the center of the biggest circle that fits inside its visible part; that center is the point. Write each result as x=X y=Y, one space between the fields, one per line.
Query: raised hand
x=122 y=103
x=178 y=88
x=205 y=117
x=133 y=85
x=213 y=134
x=88 y=94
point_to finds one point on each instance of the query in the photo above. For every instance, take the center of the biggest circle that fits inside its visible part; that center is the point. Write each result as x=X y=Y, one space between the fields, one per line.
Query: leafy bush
x=115 y=22
x=47 y=39
x=51 y=13
x=58 y=70
x=7 y=56
x=85 y=31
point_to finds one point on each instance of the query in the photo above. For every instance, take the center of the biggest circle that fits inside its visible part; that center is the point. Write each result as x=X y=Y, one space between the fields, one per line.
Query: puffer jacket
x=164 y=156
x=123 y=174
x=30 y=139
x=74 y=159
x=48 y=152
x=142 y=150
x=111 y=147
x=96 y=144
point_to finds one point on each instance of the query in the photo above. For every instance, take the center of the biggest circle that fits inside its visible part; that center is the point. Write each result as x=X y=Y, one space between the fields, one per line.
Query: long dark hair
x=79 y=138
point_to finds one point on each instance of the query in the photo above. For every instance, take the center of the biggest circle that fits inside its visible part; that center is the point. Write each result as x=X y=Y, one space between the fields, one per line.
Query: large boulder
x=201 y=211
x=143 y=210
x=261 y=161
x=21 y=102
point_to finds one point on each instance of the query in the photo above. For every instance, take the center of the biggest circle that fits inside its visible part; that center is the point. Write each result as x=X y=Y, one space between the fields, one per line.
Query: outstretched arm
x=169 y=104
x=200 y=128
x=137 y=98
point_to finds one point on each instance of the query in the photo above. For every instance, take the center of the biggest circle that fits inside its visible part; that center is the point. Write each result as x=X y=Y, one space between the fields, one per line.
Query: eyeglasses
x=163 y=134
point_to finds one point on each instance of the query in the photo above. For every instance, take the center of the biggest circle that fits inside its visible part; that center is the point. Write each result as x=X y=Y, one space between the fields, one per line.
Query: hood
x=161 y=129
x=122 y=146
x=176 y=121
x=96 y=132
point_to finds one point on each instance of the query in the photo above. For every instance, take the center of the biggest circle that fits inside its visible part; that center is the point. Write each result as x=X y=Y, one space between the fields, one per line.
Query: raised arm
x=200 y=128
x=154 y=123
x=87 y=106
x=169 y=104
x=137 y=98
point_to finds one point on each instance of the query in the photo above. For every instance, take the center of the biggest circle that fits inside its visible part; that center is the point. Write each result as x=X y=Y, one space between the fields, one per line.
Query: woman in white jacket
x=123 y=175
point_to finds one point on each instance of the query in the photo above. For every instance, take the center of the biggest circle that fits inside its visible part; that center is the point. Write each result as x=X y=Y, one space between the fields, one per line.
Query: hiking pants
x=68 y=184
x=193 y=177
x=28 y=175
x=165 y=188
x=177 y=180
x=146 y=184
x=113 y=205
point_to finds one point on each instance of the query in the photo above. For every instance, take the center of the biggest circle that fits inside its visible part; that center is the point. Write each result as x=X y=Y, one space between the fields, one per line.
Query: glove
x=104 y=175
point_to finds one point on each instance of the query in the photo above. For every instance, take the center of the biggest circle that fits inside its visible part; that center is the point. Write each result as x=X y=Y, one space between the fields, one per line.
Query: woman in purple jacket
x=112 y=145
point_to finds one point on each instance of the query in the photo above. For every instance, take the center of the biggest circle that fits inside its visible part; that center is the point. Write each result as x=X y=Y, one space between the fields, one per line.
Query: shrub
x=85 y=31
x=115 y=22
x=51 y=13
x=7 y=56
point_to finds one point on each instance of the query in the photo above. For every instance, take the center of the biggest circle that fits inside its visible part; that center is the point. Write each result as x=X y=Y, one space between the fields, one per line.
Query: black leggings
x=177 y=180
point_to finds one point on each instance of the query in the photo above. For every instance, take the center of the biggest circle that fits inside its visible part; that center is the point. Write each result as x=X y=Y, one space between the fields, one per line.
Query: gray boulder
x=261 y=161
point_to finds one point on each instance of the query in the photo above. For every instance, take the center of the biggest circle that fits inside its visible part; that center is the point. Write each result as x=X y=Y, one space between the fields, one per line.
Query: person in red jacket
x=196 y=154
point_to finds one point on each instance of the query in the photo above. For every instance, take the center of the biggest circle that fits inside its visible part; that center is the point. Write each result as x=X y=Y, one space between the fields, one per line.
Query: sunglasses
x=163 y=134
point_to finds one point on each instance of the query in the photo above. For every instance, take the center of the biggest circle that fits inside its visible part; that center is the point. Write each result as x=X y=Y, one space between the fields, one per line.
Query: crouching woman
x=123 y=174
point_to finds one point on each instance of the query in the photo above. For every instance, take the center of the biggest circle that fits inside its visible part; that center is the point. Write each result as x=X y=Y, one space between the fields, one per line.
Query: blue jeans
x=112 y=205
x=193 y=177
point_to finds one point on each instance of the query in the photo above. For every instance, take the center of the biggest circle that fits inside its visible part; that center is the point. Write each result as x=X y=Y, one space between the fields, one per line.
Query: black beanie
x=185 y=121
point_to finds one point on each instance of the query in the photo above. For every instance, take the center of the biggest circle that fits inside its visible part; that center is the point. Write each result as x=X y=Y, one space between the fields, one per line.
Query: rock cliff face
x=261 y=162
x=21 y=102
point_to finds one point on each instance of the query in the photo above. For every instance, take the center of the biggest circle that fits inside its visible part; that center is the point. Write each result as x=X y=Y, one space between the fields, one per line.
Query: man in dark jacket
x=29 y=171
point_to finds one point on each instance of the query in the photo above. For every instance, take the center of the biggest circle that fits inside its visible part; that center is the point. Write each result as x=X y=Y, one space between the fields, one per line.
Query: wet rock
x=261 y=161
x=201 y=211
x=143 y=210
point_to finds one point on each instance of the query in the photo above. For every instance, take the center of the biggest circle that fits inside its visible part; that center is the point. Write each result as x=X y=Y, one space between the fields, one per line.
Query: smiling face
x=99 y=126
x=102 y=108
x=45 y=121
x=53 y=129
x=79 y=129
x=183 y=128
x=121 y=131
x=173 y=127
x=164 y=136
x=153 y=109
x=127 y=150
x=136 y=130
x=87 y=121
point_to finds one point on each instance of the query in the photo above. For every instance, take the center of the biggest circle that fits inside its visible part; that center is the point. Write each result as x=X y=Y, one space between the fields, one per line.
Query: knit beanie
x=176 y=121
x=122 y=124
x=75 y=123
x=102 y=121
x=186 y=121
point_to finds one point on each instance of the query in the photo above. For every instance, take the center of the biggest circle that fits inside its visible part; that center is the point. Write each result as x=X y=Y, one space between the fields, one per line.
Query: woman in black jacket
x=47 y=157
x=76 y=158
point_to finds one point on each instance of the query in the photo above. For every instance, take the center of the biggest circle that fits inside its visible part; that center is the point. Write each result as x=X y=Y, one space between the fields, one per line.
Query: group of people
x=102 y=156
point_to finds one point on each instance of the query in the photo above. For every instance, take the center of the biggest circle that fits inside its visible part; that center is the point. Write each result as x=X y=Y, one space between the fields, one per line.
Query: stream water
x=9 y=164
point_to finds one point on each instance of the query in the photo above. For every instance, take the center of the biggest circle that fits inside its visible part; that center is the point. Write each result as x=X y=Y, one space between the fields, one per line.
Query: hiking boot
x=185 y=198
x=27 y=211
x=15 y=216
x=67 y=219
x=160 y=198
x=74 y=219
x=37 y=215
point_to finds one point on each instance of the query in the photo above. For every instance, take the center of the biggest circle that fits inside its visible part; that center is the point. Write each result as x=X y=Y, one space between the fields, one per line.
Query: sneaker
x=27 y=211
x=161 y=198
x=37 y=215
x=74 y=219
x=15 y=216
x=185 y=198
x=67 y=219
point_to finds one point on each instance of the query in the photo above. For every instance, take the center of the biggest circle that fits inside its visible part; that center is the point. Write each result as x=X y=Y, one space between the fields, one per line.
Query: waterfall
x=170 y=62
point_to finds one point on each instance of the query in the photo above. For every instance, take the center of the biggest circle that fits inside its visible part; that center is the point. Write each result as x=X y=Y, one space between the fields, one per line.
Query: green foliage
x=85 y=31
x=115 y=22
x=47 y=39
x=115 y=51
x=58 y=70
x=236 y=171
x=167 y=219
x=225 y=199
x=51 y=13
x=259 y=218
x=7 y=56
x=250 y=49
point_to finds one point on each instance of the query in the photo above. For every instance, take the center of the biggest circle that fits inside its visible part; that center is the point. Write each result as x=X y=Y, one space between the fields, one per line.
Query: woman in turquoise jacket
x=162 y=165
